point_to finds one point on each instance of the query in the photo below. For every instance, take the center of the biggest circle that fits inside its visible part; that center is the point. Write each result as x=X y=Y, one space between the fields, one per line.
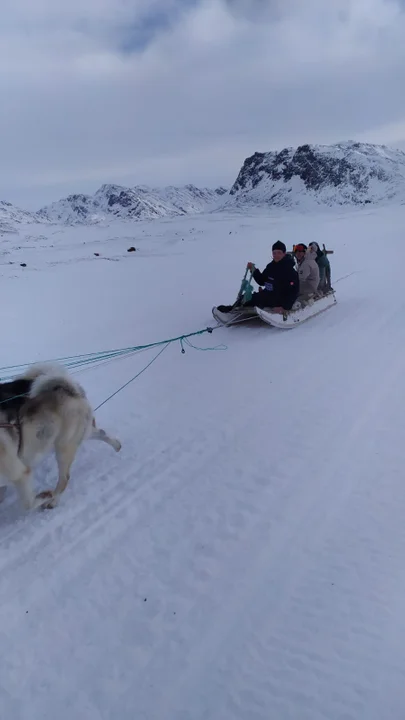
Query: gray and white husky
x=43 y=410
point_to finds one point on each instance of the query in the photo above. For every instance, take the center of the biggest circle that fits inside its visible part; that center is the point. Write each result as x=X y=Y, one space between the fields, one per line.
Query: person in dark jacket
x=279 y=280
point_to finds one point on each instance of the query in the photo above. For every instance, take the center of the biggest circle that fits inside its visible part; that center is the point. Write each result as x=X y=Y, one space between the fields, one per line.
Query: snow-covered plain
x=242 y=558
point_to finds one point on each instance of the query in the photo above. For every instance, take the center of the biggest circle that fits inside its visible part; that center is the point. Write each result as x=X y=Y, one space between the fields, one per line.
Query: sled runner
x=236 y=317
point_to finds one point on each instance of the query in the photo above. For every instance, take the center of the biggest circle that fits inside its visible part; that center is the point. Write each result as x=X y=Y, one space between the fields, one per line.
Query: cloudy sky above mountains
x=174 y=91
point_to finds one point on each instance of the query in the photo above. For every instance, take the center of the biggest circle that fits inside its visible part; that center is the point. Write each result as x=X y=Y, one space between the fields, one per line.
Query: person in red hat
x=308 y=271
x=279 y=280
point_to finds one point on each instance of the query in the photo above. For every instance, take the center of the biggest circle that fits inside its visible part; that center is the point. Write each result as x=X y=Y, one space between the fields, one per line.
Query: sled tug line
x=303 y=309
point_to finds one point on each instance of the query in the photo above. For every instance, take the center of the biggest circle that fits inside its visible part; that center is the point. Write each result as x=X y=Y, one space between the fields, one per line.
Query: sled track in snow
x=218 y=585
x=280 y=543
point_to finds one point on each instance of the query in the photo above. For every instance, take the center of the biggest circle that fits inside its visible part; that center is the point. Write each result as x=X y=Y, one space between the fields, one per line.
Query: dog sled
x=283 y=321
x=302 y=310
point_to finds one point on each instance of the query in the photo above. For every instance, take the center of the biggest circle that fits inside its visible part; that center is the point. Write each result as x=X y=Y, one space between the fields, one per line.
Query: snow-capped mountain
x=305 y=177
x=140 y=202
x=349 y=173
x=12 y=216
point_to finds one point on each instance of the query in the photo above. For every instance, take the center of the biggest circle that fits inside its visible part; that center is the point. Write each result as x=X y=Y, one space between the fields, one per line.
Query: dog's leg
x=24 y=489
x=65 y=454
x=29 y=500
x=19 y=475
x=3 y=491
x=99 y=434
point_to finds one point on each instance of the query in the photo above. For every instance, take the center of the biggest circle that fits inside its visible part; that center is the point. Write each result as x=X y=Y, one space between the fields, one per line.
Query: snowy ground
x=242 y=558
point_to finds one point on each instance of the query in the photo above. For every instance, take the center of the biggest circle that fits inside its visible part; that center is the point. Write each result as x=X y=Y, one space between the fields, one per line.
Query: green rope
x=15 y=397
x=186 y=341
x=183 y=339
x=78 y=361
x=132 y=379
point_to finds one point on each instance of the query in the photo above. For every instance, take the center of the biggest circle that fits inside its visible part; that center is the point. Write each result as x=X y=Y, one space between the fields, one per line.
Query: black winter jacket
x=280 y=278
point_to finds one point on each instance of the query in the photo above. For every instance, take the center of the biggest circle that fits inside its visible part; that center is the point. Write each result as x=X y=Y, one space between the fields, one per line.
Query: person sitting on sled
x=308 y=271
x=280 y=281
x=323 y=263
x=324 y=268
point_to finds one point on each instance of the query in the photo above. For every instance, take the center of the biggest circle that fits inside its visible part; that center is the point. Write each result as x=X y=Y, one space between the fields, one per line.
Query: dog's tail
x=51 y=377
x=43 y=368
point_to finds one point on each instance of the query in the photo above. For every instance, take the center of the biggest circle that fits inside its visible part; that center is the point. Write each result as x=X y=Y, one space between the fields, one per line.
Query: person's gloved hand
x=251 y=266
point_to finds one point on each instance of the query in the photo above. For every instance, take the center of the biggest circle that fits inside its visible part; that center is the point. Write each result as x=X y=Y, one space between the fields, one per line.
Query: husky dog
x=43 y=410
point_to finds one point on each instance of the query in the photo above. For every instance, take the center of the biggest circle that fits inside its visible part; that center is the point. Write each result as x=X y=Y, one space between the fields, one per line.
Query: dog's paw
x=47 y=500
x=117 y=445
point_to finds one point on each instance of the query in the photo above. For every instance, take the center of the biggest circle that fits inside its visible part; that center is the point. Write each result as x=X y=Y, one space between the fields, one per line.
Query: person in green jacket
x=324 y=268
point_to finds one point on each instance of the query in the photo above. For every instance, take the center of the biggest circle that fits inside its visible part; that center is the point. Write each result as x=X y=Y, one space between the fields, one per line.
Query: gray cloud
x=160 y=91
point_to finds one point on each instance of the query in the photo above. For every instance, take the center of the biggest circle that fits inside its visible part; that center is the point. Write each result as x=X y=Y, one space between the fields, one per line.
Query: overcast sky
x=174 y=91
